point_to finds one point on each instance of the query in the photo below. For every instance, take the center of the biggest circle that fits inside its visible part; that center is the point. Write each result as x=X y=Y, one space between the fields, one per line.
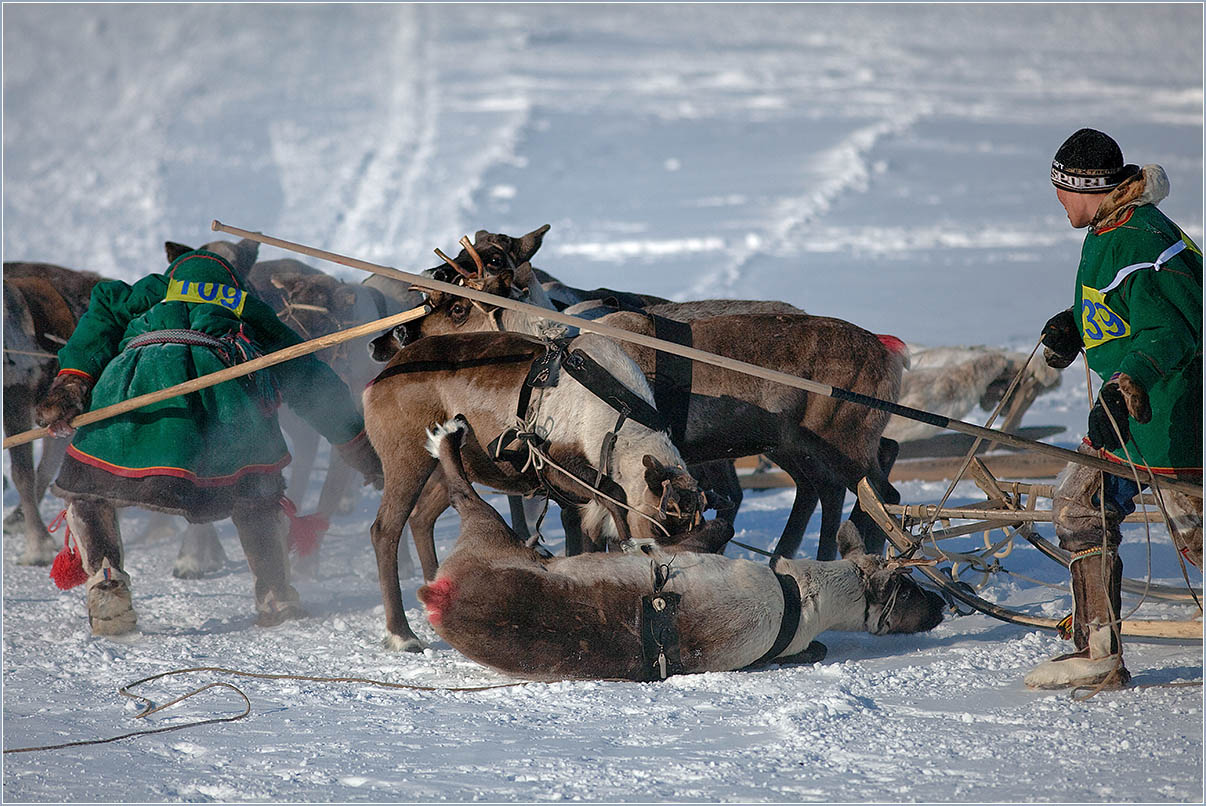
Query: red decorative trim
x=78 y=372
x=362 y=435
x=199 y=255
x=1125 y=218
x=1159 y=471
x=178 y=472
x=892 y=344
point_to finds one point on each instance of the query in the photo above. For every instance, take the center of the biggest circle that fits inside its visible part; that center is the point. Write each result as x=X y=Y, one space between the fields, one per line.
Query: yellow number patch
x=212 y=293
x=1098 y=322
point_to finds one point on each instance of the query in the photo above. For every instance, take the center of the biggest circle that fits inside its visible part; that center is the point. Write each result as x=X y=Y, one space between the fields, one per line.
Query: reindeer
x=498 y=263
x=826 y=446
x=481 y=376
x=651 y=613
x=42 y=304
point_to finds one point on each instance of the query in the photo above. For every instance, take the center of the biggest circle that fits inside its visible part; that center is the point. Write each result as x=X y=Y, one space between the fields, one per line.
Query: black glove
x=1061 y=340
x=359 y=455
x=66 y=399
x=1101 y=431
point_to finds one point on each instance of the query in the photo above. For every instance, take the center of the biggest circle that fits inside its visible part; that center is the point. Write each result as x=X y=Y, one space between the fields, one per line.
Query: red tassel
x=67 y=571
x=305 y=531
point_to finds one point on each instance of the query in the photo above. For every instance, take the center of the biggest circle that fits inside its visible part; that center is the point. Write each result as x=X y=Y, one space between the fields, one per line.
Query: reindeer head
x=895 y=603
x=491 y=263
x=314 y=304
x=241 y=255
x=675 y=494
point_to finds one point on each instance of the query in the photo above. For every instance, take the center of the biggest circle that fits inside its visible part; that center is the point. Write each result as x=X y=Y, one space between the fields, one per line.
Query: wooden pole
x=230 y=373
x=807 y=385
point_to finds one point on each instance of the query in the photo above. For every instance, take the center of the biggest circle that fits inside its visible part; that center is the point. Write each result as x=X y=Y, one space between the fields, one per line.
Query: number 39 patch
x=213 y=293
x=1098 y=323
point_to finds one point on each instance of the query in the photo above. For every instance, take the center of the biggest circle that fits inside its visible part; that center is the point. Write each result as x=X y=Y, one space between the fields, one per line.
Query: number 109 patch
x=1098 y=323
x=227 y=296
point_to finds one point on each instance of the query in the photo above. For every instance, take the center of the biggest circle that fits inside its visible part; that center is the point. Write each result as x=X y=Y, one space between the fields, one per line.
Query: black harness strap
x=791 y=618
x=446 y=366
x=603 y=385
x=659 y=628
x=672 y=375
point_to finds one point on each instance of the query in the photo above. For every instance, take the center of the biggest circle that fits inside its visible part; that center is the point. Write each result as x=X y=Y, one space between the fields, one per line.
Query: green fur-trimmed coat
x=1146 y=320
x=191 y=455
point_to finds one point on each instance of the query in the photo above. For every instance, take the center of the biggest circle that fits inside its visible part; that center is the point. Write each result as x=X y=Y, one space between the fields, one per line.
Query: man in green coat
x=207 y=455
x=1137 y=316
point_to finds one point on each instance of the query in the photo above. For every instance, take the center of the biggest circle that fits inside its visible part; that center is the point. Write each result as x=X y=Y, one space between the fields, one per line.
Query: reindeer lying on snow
x=582 y=439
x=643 y=616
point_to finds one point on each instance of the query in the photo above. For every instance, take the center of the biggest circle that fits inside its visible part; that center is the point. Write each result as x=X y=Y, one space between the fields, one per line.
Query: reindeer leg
x=519 y=518
x=200 y=552
x=53 y=451
x=808 y=493
x=304 y=447
x=571 y=522
x=430 y=505
x=94 y=528
x=39 y=546
x=833 y=497
x=403 y=485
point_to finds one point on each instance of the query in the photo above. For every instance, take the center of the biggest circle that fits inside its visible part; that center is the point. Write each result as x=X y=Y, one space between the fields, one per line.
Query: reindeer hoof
x=815 y=652
x=14 y=520
x=288 y=612
x=38 y=552
x=399 y=644
x=110 y=610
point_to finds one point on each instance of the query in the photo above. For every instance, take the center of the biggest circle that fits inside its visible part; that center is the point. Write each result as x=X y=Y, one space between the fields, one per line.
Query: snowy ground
x=885 y=164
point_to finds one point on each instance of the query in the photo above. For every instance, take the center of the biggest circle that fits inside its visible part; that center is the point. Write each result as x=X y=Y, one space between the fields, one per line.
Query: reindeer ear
x=175 y=250
x=246 y=251
x=506 y=278
x=523 y=275
x=849 y=541
x=529 y=243
x=655 y=473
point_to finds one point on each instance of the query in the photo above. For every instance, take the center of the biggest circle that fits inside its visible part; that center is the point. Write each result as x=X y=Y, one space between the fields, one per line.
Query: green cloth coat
x=191 y=455
x=1147 y=322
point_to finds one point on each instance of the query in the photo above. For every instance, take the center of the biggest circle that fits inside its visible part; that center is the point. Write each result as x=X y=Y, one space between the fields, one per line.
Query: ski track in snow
x=848 y=159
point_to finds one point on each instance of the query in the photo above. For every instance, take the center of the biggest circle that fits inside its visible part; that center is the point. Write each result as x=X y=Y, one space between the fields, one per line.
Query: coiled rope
x=149 y=707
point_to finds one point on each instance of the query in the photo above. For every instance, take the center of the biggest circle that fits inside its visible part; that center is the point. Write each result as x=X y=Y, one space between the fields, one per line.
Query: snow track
x=885 y=164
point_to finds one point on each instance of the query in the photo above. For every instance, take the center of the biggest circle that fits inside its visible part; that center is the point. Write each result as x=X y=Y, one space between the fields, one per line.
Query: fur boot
x=1097 y=604
x=263 y=530
x=94 y=528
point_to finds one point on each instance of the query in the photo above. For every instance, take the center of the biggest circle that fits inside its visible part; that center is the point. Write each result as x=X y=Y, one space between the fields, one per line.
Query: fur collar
x=1149 y=186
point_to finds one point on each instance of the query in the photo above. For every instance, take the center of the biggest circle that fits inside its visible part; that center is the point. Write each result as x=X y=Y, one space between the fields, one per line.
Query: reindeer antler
x=454 y=265
x=464 y=241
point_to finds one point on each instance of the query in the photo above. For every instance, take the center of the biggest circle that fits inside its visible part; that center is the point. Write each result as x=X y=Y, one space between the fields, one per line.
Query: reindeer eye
x=459 y=309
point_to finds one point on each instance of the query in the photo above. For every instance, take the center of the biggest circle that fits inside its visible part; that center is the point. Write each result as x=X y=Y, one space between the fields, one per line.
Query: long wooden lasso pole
x=230 y=373
x=724 y=362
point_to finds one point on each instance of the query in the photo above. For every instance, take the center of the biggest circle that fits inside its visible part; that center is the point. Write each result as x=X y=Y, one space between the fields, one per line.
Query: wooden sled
x=1012 y=508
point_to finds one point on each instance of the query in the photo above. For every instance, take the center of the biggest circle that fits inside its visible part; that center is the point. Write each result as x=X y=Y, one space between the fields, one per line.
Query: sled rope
x=150 y=707
x=786 y=379
x=538 y=459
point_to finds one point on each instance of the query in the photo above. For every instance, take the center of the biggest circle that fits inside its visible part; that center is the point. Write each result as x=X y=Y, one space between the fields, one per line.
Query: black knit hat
x=1090 y=162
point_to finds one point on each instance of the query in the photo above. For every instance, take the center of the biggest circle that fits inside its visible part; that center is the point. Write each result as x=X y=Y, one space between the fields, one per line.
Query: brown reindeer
x=644 y=615
x=481 y=376
x=825 y=445
x=42 y=304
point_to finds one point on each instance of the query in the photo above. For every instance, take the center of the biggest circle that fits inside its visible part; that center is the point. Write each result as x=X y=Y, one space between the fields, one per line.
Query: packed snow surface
x=885 y=164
